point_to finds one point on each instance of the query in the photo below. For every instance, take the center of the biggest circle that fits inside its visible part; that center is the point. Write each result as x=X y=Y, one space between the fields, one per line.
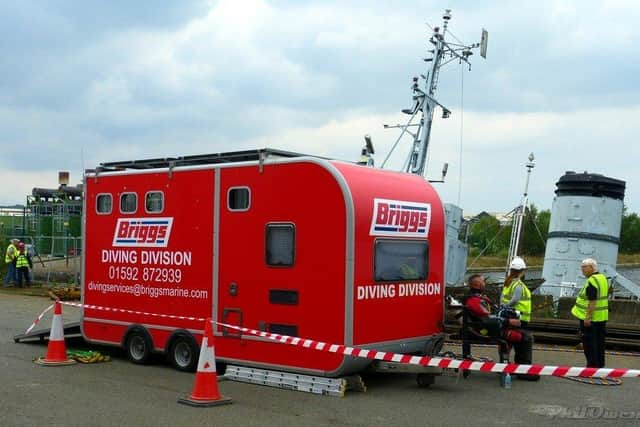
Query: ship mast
x=424 y=98
x=518 y=216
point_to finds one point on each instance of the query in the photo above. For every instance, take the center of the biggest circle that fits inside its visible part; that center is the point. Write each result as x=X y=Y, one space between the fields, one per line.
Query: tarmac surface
x=119 y=393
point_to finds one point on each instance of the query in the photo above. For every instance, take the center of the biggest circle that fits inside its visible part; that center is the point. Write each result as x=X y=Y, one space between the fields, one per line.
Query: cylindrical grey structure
x=455 y=250
x=586 y=216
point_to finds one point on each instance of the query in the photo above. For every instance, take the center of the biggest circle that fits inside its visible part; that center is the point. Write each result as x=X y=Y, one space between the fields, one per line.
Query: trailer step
x=70 y=329
x=297 y=382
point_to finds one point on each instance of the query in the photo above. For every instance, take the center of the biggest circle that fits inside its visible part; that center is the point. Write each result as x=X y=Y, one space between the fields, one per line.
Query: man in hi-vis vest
x=10 y=257
x=515 y=293
x=592 y=308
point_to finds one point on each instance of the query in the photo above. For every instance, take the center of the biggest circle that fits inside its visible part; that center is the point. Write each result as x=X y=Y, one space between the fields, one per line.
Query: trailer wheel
x=183 y=353
x=425 y=380
x=138 y=347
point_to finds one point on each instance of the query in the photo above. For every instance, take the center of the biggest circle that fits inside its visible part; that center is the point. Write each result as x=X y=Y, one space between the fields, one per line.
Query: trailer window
x=397 y=260
x=280 y=244
x=128 y=202
x=154 y=202
x=103 y=203
x=239 y=199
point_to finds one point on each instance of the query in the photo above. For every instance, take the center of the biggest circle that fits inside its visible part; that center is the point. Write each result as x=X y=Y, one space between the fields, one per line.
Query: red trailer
x=266 y=239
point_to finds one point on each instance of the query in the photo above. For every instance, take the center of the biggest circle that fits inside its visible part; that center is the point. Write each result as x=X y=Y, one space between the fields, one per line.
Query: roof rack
x=200 y=159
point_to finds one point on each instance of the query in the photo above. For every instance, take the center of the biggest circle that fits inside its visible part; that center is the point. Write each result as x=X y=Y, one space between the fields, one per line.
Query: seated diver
x=478 y=307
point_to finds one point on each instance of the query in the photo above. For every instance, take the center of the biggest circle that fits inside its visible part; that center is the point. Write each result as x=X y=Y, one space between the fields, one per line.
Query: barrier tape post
x=440 y=362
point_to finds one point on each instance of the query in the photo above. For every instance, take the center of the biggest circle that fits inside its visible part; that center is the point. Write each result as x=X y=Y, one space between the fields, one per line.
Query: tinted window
x=280 y=244
x=128 y=203
x=104 y=203
x=398 y=260
x=239 y=199
x=154 y=202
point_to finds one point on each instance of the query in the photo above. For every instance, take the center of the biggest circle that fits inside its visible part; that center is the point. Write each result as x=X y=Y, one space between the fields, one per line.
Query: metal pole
x=518 y=216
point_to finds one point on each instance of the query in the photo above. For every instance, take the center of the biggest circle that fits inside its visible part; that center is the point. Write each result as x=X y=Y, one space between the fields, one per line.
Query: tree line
x=485 y=234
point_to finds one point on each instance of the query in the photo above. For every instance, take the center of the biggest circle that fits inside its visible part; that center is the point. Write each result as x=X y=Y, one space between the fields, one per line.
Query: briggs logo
x=143 y=232
x=400 y=218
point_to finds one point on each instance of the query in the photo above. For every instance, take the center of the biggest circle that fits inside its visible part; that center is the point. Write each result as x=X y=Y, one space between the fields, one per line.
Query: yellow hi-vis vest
x=524 y=305
x=11 y=253
x=601 y=309
x=22 y=260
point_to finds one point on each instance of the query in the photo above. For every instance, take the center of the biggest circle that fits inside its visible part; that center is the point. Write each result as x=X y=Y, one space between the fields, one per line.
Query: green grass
x=628 y=258
x=501 y=262
x=537 y=261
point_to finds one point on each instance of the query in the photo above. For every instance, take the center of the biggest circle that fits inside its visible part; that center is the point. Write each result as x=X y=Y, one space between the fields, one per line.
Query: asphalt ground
x=119 y=393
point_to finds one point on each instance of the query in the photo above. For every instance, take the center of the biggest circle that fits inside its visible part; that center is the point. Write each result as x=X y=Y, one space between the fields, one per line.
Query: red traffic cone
x=205 y=390
x=56 y=351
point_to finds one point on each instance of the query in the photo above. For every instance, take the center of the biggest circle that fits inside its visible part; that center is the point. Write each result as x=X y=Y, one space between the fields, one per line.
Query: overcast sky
x=85 y=82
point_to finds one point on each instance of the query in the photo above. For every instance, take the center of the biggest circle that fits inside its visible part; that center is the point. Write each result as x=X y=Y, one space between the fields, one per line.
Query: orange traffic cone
x=56 y=351
x=205 y=390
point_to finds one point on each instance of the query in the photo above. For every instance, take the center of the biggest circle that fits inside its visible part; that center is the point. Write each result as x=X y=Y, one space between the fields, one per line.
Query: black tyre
x=221 y=368
x=425 y=380
x=138 y=346
x=184 y=353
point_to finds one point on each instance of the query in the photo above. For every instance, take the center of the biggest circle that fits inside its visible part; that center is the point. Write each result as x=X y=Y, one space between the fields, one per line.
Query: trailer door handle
x=228 y=317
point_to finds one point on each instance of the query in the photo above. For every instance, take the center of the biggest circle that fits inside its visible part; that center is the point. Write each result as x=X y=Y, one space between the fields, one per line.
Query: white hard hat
x=517 y=263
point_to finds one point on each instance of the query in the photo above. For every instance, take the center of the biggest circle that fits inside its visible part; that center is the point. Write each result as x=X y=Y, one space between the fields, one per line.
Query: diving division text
x=144 y=257
x=393 y=290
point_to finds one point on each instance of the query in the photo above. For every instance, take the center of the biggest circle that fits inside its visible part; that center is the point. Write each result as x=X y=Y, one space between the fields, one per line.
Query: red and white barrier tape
x=440 y=362
x=122 y=310
x=559 y=349
x=38 y=319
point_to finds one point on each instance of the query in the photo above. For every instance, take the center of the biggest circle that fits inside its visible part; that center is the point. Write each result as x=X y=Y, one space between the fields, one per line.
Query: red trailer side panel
x=153 y=262
x=306 y=197
x=193 y=254
x=391 y=311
